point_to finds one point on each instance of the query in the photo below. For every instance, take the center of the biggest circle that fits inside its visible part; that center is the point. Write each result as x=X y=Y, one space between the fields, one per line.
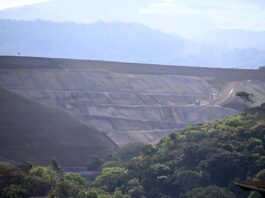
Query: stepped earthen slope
x=127 y=102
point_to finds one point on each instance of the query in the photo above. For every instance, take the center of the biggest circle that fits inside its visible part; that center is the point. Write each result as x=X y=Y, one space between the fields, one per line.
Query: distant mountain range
x=87 y=38
x=85 y=11
x=117 y=41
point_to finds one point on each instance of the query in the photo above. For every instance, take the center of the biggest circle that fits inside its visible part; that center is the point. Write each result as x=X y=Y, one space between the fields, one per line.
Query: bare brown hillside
x=128 y=102
x=32 y=132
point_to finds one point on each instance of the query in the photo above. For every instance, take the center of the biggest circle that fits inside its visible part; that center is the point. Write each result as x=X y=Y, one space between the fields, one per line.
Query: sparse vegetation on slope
x=36 y=133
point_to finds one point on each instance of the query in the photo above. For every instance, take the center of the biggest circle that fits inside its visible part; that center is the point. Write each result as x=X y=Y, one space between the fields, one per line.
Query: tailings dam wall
x=127 y=106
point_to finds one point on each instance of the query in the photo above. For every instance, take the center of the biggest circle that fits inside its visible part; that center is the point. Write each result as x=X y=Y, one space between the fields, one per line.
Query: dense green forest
x=201 y=161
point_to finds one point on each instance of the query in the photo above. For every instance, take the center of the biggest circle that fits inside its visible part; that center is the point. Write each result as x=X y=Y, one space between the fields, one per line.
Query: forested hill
x=200 y=161
x=117 y=41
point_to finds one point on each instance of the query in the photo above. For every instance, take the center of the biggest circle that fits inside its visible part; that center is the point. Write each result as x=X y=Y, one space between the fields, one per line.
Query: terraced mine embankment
x=33 y=132
x=128 y=102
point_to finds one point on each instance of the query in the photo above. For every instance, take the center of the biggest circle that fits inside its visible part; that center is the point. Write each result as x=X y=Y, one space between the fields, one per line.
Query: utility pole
x=212 y=105
x=213 y=94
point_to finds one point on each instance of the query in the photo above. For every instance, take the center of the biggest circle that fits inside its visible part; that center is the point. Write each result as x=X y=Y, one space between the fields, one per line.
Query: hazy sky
x=223 y=13
x=183 y=17
x=4 y=4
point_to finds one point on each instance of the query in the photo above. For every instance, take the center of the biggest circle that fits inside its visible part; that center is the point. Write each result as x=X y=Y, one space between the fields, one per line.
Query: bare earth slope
x=128 y=102
x=255 y=87
x=32 y=132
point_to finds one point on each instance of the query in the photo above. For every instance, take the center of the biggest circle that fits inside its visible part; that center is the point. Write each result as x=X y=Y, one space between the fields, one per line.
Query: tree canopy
x=201 y=161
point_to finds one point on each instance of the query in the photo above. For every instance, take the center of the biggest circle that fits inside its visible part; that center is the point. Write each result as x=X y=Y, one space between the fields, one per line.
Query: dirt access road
x=226 y=93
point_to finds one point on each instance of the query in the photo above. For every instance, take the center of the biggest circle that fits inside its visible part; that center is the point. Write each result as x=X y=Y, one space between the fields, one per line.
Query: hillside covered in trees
x=201 y=161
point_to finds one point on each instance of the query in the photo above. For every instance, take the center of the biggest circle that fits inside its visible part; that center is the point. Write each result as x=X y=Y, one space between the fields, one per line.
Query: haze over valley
x=129 y=42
